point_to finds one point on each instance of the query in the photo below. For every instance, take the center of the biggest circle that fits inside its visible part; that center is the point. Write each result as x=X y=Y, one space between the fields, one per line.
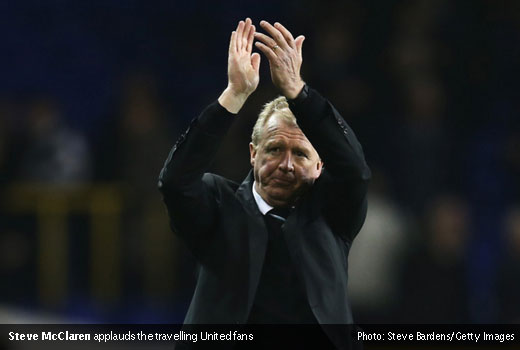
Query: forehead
x=277 y=127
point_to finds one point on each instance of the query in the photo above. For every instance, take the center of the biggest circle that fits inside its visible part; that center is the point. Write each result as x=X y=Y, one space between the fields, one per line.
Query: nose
x=286 y=164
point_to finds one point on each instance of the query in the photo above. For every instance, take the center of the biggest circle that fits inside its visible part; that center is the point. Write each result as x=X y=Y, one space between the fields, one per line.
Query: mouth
x=283 y=181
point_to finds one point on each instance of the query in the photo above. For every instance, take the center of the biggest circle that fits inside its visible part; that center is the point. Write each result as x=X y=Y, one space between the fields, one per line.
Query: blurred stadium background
x=93 y=95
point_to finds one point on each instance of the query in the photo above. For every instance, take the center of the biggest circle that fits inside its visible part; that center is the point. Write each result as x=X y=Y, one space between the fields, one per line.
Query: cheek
x=266 y=167
x=307 y=173
x=314 y=172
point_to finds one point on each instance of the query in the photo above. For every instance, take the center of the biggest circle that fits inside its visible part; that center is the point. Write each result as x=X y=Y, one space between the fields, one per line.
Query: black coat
x=223 y=227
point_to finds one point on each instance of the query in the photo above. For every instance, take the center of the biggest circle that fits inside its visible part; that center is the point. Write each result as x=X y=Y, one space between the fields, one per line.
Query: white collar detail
x=260 y=202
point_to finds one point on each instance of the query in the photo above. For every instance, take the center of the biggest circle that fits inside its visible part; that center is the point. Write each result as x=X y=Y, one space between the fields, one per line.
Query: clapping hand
x=285 y=57
x=243 y=67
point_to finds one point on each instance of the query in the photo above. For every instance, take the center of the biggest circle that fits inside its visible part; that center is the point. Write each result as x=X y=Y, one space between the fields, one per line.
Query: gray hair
x=278 y=106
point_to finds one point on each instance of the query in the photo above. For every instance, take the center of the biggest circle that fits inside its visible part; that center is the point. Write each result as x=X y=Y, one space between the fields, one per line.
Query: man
x=273 y=249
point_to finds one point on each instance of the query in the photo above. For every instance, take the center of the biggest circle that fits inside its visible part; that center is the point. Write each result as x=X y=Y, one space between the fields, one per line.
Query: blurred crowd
x=429 y=86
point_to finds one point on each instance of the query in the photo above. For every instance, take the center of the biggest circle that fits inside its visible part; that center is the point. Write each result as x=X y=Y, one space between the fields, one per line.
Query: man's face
x=284 y=163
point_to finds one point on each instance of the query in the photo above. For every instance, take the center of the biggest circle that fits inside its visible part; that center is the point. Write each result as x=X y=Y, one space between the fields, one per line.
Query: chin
x=280 y=197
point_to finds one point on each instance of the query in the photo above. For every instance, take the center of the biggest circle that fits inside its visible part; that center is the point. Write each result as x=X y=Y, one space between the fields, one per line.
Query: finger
x=245 y=33
x=299 y=43
x=267 y=51
x=255 y=61
x=240 y=30
x=275 y=34
x=287 y=34
x=232 y=45
x=250 y=39
x=235 y=38
x=266 y=40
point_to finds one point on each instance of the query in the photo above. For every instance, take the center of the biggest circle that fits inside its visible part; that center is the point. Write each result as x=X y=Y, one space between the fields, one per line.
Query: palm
x=242 y=75
x=243 y=66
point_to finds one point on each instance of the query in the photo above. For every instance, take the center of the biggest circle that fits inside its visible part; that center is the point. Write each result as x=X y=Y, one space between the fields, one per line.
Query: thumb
x=299 y=42
x=255 y=61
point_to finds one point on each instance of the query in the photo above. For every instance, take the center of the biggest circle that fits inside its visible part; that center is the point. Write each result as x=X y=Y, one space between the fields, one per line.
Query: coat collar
x=257 y=235
x=245 y=194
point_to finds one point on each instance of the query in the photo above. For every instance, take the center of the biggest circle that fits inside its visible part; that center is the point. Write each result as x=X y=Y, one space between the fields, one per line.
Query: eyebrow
x=269 y=143
x=276 y=142
x=302 y=149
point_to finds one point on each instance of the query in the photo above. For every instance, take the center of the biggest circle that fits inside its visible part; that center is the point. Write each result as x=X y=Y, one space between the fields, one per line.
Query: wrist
x=292 y=92
x=232 y=101
x=302 y=96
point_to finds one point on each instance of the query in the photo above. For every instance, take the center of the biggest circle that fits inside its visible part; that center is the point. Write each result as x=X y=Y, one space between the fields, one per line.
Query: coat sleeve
x=343 y=183
x=188 y=191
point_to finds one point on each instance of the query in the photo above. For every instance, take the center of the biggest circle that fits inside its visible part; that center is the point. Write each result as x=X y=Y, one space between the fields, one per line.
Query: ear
x=252 y=153
x=319 y=168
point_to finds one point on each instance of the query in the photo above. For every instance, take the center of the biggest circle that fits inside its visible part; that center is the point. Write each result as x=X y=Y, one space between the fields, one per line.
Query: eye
x=301 y=154
x=273 y=149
